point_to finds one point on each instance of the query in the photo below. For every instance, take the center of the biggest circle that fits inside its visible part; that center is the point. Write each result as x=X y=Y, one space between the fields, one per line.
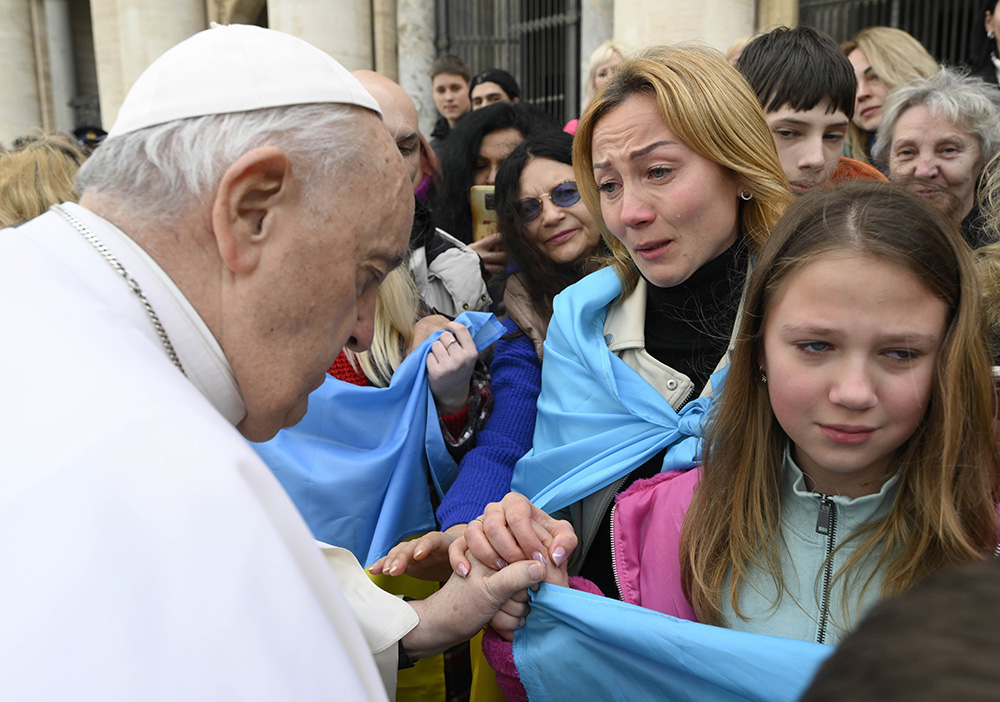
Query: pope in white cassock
x=230 y=236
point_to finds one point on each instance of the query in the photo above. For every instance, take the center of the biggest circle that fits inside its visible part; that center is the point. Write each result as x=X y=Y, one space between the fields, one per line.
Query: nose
x=551 y=213
x=812 y=156
x=635 y=211
x=364 y=326
x=862 y=92
x=491 y=178
x=926 y=167
x=853 y=387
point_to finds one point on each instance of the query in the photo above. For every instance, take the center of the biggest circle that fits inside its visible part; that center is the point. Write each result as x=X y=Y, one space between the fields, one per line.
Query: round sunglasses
x=565 y=194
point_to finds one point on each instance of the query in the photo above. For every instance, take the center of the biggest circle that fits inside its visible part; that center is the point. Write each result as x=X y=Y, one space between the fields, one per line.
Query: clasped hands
x=508 y=532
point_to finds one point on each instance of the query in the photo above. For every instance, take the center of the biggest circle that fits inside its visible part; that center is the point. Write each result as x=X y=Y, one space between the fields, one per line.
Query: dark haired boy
x=806 y=87
x=450 y=78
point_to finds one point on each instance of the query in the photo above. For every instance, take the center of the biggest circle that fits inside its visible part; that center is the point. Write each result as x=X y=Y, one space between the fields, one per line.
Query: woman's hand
x=449 y=368
x=425 y=558
x=514 y=530
x=491 y=250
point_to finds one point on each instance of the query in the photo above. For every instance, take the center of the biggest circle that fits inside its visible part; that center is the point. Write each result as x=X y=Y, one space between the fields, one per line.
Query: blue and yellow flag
x=578 y=646
x=357 y=464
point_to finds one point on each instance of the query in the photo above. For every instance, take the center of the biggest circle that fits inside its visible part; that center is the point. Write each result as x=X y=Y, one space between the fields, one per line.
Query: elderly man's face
x=317 y=287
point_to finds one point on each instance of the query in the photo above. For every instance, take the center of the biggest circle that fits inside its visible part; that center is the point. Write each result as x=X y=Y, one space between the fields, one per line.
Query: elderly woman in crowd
x=884 y=58
x=936 y=137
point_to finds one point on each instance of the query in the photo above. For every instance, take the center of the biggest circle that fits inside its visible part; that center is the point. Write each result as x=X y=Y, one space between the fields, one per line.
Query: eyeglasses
x=565 y=194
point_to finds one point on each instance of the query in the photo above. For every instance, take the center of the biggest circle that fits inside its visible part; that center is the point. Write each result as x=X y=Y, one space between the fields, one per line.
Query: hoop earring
x=746 y=195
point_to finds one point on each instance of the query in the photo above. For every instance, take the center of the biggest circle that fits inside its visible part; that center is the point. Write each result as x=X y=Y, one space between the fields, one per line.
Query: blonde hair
x=601 y=54
x=988 y=257
x=945 y=509
x=35 y=177
x=396 y=311
x=710 y=107
x=897 y=59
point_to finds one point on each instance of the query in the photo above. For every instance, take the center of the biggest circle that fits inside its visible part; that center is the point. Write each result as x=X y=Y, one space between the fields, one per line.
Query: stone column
x=131 y=34
x=384 y=36
x=341 y=28
x=20 y=108
x=61 y=62
x=777 y=13
x=717 y=22
x=415 y=30
x=596 y=27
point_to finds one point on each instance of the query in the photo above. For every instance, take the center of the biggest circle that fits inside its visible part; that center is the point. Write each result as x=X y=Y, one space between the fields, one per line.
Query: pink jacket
x=646 y=530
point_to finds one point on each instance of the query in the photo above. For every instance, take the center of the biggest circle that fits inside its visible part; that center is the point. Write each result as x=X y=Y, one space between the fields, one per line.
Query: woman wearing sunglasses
x=553 y=242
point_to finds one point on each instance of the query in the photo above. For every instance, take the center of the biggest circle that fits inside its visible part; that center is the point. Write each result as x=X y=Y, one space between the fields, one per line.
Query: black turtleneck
x=688 y=326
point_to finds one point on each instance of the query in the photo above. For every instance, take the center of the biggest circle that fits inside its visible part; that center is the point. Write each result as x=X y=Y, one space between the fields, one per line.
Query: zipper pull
x=823 y=518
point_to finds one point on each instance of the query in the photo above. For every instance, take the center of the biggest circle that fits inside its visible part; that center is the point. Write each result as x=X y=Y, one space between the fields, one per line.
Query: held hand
x=463 y=606
x=425 y=558
x=513 y=530
x=491 y=250
x=449 y=368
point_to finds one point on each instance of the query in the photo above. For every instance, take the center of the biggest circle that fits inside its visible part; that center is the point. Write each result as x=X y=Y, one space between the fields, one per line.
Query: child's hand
x=514 y=530
x=425 y=558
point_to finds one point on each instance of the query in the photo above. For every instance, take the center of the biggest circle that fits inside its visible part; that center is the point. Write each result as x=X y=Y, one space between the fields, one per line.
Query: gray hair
x=970 y=103
x=168 y=168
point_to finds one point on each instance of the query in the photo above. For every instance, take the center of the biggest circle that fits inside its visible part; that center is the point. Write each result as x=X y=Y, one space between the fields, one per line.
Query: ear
x=248 y=191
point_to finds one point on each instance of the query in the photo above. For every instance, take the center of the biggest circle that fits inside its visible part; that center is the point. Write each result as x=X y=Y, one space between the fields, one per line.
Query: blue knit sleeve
x=485 y=472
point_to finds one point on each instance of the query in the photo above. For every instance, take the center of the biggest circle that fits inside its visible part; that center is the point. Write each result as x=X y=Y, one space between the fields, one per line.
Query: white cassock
x=146 y=552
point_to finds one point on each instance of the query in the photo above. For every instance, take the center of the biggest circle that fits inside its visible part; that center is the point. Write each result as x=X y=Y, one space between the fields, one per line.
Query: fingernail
x=419 y=550
x=536 y=571
x=559 y=555
x=392 y=569
x=537 y=556
x=500 y=564
x=463 y=569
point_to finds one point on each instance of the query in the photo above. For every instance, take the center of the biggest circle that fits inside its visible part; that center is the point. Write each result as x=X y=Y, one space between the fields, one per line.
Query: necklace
x=129 y=280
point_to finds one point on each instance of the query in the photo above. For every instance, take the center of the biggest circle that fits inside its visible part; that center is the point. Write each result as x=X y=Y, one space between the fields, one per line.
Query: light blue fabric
x=356 y=465
x=597 y=418
x=577 y=646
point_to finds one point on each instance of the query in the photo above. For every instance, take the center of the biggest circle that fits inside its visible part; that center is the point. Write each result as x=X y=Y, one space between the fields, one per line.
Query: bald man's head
x=399 y=114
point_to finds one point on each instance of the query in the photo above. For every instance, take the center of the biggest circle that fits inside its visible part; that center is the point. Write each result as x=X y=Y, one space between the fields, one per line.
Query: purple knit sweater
x=485 y=472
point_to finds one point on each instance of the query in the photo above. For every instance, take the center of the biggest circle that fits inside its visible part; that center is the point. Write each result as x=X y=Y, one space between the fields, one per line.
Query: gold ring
x=448 y=345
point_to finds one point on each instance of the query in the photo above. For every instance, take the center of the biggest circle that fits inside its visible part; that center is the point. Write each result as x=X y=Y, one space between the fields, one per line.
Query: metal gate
x=951 y=30
x=538 y=41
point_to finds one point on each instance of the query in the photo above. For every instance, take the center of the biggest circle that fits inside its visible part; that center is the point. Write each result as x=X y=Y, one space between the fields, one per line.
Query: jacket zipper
x=614 y=557
x=826 y=524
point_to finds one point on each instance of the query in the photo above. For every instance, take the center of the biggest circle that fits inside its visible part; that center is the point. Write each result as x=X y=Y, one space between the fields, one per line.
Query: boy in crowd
x=450 y=83
x=806 y=87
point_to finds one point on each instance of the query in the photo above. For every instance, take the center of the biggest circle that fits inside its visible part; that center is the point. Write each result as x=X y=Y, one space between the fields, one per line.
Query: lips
x=799 y=187
x=653 y=250
x=561 y=237
x=869 y=111
x=847 y=434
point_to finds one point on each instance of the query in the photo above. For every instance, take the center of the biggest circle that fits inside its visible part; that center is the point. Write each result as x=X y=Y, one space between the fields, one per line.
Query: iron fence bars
x=951 y=30
x=537 y=41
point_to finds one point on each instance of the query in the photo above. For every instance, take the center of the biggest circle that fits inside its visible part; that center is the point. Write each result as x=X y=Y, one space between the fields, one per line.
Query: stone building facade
x=69 y=63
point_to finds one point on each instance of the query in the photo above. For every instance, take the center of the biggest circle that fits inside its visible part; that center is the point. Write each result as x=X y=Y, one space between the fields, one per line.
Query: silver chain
x=129 y=280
